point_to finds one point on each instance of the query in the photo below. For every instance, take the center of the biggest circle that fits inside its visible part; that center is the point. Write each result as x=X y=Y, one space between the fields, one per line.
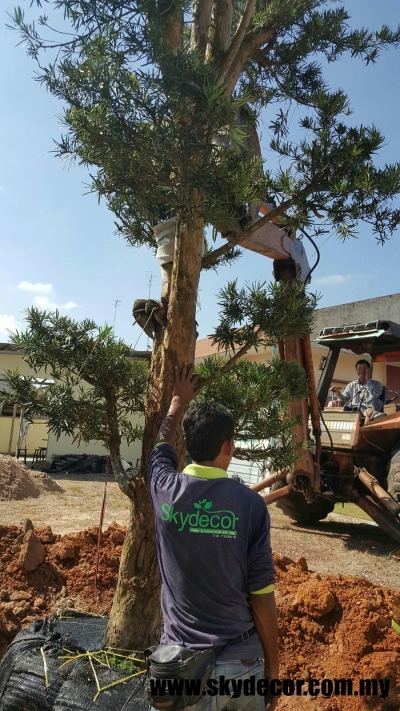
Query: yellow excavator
x=347 y=460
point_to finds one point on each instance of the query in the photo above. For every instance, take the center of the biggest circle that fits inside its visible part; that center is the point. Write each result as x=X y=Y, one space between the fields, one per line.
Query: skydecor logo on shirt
x=204 y=520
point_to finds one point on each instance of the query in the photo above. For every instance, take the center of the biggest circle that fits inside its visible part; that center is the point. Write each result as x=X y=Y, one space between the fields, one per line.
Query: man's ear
x=228 y=447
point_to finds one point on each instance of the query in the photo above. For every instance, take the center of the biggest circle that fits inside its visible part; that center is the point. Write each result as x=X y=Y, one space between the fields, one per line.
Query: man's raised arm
x=185 y=389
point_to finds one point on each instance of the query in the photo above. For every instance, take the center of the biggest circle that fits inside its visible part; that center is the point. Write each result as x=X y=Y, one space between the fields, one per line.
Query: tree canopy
x=161 y=99
x=97 y=386
x=162 y=102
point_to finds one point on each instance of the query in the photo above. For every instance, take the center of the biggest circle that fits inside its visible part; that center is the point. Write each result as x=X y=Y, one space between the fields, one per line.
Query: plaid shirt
x=360 y=397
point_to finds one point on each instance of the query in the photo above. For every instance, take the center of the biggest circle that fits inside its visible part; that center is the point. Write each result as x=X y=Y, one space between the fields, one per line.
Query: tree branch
x=202 y=10
x=249 y=44
x=242 y=453
x=259 y=56
x=237 y=40
x=259 y=36
x=172 y=23
x=227 y=366
x=220 y=29
x=237 y=238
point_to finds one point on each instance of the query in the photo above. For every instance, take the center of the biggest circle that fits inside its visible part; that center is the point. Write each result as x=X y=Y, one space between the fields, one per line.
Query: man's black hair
x=207 y=427
x=363 y=362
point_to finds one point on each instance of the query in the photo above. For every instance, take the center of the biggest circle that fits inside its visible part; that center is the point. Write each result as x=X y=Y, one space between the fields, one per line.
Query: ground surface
x=338 y=545
x=77 y=508
x=338 y=585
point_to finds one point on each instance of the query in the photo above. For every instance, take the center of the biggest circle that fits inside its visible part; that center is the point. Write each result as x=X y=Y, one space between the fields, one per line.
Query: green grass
x=351 y=510
x=127 y=665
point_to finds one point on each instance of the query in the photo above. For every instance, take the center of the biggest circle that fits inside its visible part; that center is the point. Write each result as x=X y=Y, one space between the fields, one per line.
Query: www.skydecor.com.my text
x=276 y=687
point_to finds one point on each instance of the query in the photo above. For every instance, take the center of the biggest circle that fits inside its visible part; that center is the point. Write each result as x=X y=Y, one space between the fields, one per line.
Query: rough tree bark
x=135 y=616
x=114 y=437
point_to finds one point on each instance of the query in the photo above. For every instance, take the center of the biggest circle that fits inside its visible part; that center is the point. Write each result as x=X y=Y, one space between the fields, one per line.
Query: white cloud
x=28 y=286
x=333 y=279
x=44 y=303
x=7 y=324
x=1 y=189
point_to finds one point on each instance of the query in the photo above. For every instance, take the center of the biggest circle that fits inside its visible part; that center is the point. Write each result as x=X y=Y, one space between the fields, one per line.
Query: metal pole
x=278 y=494
x=378 y=514
x=12 y=428
x=379 y=493
x=270 y=480
x=21 y=418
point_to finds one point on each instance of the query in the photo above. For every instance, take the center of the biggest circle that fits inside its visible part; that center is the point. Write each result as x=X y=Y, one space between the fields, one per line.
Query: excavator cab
x=357 y=462
x=346 y=460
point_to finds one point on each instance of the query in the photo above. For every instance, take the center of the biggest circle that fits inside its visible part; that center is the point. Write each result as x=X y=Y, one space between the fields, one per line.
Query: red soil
x=331 y=627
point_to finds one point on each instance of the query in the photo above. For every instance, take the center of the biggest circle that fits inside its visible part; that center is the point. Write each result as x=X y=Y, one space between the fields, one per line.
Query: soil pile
x=336 y=628
x=18 y=482
x=330 y=627
x=64 y=580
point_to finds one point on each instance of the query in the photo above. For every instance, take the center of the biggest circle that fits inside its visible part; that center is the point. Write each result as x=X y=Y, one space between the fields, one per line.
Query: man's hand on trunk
x=186 y=385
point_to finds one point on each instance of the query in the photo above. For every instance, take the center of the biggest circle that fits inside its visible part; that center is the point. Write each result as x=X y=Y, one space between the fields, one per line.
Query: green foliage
x=168 y=128
x=117 y=662
x=258 y=396
x=335 y=163
x=260 y=314
x=97 y=385
x=154 y=118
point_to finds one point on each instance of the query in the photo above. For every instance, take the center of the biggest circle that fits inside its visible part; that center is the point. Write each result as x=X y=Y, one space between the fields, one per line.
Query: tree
x=161 y=102
x=97 y=385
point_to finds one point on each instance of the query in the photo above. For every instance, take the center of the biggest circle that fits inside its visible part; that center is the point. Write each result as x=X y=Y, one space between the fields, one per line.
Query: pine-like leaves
x=260 y=314
x=97 y=387
x=258 y=396
x=155 y=122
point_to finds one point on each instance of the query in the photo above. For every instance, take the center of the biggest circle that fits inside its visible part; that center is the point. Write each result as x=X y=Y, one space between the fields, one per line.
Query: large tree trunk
x=135 y=616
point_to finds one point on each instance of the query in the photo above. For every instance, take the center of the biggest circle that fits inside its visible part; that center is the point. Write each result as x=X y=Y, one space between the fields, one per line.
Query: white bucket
x=164 y=233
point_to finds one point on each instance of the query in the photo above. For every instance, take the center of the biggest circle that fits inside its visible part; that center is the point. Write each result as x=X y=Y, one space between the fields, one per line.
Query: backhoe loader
x=346 y=460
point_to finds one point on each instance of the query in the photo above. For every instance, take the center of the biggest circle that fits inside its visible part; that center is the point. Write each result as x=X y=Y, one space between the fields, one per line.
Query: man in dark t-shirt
x=213 y=546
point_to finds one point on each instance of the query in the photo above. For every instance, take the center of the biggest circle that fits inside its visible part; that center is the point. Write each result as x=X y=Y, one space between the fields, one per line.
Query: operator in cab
x=363 y=395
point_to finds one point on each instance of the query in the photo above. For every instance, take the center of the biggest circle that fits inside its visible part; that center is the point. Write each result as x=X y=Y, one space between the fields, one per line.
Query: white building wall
x=382 y=308
x=65 y=445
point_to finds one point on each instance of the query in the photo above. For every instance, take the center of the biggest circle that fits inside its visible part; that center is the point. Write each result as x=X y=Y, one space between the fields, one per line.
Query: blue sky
x=58 y=244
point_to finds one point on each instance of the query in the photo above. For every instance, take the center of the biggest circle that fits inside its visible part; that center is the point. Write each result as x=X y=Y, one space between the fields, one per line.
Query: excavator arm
x=290 y=262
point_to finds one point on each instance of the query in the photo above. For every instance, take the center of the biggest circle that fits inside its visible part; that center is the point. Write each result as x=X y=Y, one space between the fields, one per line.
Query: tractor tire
x=393 y=478
x=295 y=506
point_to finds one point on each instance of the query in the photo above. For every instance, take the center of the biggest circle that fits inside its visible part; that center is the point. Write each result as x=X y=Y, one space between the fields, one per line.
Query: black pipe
x=326 y=376
x=384 y=520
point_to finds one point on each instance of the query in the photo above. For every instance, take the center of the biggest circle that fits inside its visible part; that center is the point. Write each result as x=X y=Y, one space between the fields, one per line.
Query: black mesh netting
x=73 y=686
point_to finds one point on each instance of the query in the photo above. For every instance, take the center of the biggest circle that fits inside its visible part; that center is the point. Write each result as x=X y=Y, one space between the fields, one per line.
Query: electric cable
x=152 y=311
x=317 y=252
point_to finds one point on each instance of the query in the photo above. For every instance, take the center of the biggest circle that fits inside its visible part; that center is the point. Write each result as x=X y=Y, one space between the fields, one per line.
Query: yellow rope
x=95 y=675
x=94 y=656
x=114 y=683
x=121 y=649
x=46 y=678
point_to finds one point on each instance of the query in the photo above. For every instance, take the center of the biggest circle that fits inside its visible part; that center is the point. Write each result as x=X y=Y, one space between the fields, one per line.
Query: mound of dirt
x=330 y=627
x=64 y=580
x=18 y=482
x=336 y=628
